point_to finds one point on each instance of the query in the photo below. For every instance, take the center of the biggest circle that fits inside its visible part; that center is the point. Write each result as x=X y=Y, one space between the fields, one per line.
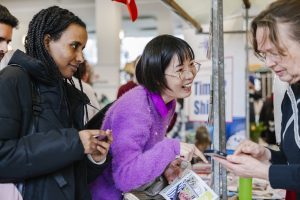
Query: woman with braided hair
x=44 y=150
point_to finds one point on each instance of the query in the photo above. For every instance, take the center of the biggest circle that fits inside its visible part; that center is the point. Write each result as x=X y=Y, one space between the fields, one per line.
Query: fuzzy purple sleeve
x=132 y=165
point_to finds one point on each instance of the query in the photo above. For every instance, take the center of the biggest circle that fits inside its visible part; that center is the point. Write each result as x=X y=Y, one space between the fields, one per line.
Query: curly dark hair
x=53 y=21
x=7 y=18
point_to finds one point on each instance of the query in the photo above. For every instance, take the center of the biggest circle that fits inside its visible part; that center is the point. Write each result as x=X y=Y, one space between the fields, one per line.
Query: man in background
x=7 y=23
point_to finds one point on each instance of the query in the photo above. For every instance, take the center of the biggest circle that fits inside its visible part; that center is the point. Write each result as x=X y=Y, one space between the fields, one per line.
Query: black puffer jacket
x=50 y=161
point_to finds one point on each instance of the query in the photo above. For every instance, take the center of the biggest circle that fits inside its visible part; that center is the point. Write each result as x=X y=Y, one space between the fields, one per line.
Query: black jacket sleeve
x=277 y=157
x=283 y=175
x=94 y=170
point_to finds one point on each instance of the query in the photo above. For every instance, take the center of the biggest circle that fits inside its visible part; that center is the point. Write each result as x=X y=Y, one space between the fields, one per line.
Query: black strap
x=97 y=120
x=36 y=105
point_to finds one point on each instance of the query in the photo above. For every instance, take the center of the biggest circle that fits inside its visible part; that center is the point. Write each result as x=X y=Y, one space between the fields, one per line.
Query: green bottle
x=245 y=188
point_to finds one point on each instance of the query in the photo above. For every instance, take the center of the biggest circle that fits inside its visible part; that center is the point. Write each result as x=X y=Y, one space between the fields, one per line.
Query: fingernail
x=230 y=158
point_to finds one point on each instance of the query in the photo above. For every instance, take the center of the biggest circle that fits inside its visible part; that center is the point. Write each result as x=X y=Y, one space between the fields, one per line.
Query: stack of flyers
x=189 y=187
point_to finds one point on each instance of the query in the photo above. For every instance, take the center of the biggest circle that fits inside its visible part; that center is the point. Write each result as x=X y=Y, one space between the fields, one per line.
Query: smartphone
x=102 y=138
x=216 y=153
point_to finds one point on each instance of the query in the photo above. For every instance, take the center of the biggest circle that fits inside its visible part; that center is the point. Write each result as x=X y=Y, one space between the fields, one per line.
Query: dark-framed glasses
x=192 y=69
x=274 y=56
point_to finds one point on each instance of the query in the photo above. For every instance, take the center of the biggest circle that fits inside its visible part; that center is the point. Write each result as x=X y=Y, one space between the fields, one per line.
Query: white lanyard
x=294 y=117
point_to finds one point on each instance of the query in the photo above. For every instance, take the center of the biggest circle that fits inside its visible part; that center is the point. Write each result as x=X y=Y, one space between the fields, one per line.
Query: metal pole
x=247 y=74
x=218 y=82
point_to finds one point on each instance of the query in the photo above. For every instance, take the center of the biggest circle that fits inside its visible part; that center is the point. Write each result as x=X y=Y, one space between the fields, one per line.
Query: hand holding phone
x=215 y=153
x=102 y=138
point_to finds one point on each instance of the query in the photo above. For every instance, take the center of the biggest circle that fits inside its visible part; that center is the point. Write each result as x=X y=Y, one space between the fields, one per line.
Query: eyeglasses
x=193 y=69
x=274 y=56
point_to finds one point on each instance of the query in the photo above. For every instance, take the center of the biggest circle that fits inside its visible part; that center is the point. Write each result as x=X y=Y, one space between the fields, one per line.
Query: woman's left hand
x=175 y=169
x=245 y=166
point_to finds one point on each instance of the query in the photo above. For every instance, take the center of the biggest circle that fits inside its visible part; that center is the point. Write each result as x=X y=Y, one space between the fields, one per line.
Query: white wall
x=234 y=45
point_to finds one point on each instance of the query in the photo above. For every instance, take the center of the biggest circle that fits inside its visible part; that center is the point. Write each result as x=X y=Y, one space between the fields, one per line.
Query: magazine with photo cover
x=189 y=187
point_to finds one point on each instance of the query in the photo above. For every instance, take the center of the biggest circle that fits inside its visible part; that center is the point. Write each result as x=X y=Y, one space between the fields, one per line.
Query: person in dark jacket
x=276 y=40
x=266 y=116
x=43 y=149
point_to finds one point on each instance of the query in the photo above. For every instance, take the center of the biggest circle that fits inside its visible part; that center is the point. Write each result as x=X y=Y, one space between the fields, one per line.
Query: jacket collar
x=160 y=105
x=36 y=69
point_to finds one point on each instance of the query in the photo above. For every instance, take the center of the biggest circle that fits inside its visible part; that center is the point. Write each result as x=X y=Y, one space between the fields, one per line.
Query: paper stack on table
x=190 y=187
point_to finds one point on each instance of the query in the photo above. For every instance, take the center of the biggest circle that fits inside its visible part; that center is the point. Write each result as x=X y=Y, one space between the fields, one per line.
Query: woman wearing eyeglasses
x=276 y=40
x=140 y=118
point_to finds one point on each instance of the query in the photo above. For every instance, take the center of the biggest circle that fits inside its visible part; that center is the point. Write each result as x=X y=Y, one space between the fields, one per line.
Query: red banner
x=132 y=9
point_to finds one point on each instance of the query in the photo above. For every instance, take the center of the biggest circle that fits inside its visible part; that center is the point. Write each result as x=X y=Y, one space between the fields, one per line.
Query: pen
x=176 y=191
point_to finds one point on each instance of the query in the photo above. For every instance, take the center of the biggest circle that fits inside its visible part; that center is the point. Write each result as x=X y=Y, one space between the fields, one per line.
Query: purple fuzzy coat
x=140 y=150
